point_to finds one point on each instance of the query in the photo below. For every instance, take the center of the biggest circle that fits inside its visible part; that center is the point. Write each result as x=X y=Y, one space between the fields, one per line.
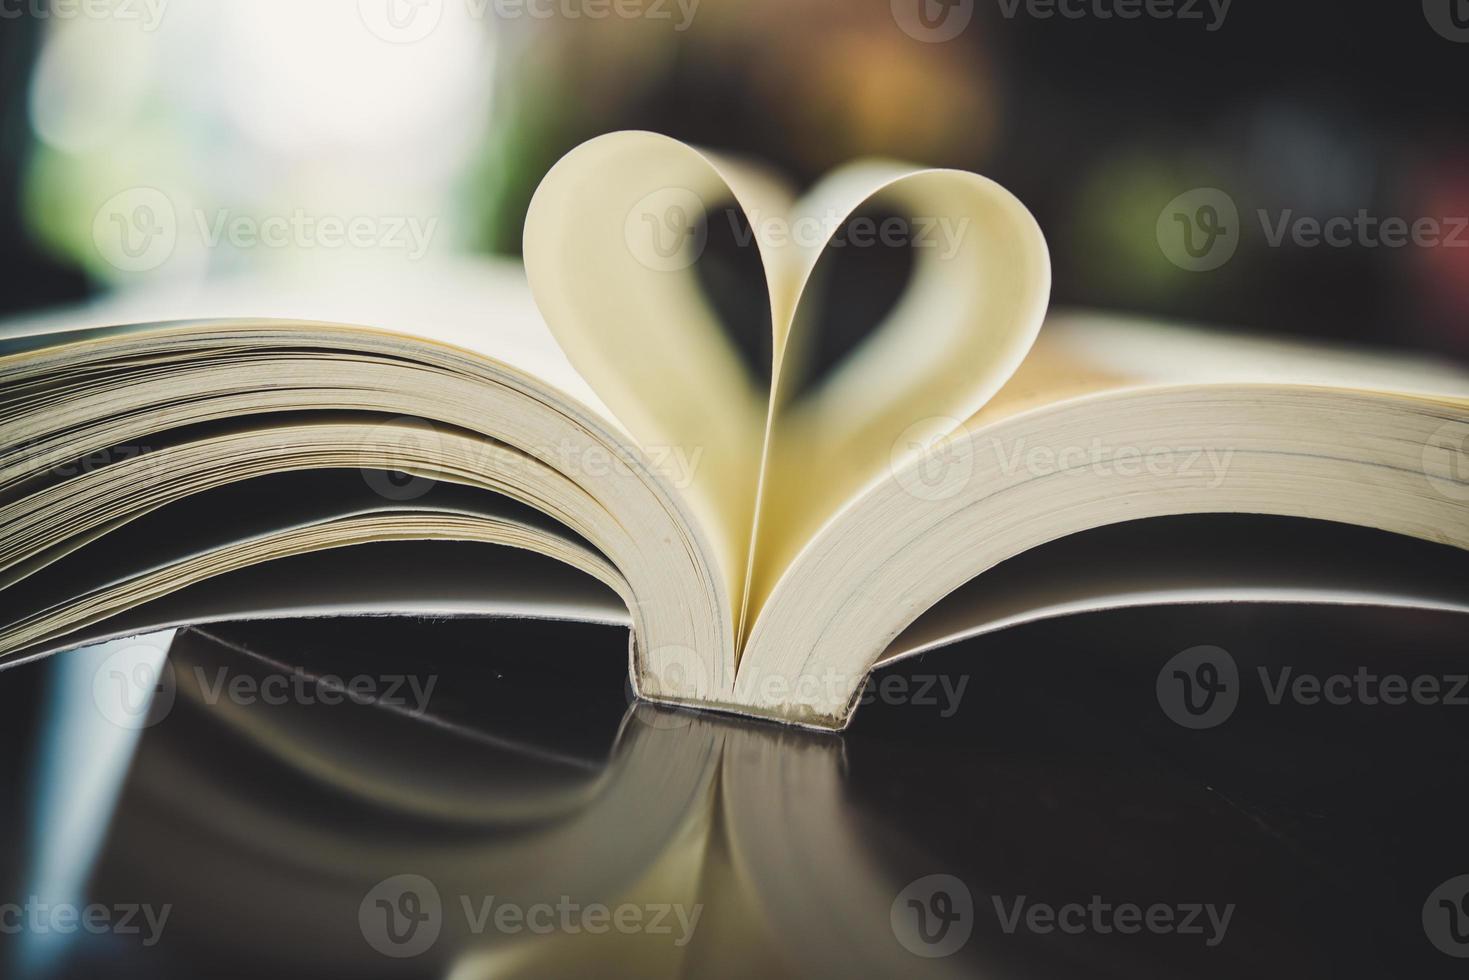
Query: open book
x=330 y=448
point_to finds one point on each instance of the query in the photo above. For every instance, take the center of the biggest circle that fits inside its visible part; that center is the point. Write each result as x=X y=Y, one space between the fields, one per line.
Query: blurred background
x=450 y=111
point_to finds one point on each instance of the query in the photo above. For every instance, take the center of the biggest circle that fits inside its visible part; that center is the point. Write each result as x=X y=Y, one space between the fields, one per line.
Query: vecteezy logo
x=673 y=671
x=1199 y=230
x=401 y=916
x=666 y=231
x=1199 y=688
x=1446 y=460
x=933 y=916
x=1450 y=18
x=135 y=687
x=930 y=460
x=412 y=446
x=933 y=21
x=1446 y=917
x=136 y=230
x=401 y=21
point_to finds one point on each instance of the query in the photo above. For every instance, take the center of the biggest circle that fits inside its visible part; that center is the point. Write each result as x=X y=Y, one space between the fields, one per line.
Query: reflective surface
x=485 y=801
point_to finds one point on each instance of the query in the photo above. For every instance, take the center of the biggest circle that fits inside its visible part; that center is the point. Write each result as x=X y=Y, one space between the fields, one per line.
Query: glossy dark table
x=1023 y=805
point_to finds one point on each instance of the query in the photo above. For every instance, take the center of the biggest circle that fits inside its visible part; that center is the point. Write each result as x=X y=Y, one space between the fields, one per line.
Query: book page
x=966 y=322
x=1195 y=559
x=612 y=239
x=397 y=578
x=481 y=305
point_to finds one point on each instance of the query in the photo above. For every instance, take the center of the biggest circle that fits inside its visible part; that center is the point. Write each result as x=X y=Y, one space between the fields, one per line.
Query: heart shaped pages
x=611 y=241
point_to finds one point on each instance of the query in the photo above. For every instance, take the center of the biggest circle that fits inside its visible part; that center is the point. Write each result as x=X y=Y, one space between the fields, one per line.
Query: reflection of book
x=797 y=851
x=766 y=537
x=674 y=820
x=341 y=799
